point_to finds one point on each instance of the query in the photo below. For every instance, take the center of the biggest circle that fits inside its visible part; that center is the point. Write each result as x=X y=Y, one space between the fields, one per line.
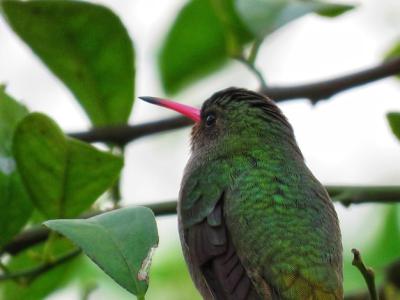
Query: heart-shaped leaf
x=63 y=176
x=394 y=123
x=202 y=37
x=265 y=16
x=15 y=205
x=120 y=242
x=86 y=46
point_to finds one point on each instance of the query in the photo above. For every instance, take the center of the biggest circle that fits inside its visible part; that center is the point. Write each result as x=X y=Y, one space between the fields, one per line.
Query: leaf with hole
x=86 y=46
x=263 y=17
x=15 y=205
x=120 y=242
x=63 y=176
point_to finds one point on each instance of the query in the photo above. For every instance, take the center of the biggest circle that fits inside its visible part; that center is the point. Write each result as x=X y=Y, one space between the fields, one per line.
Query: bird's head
x=233 y=119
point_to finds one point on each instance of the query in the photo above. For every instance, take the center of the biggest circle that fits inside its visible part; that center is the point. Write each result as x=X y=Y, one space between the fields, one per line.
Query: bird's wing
x=212 y=252
x=207 y=245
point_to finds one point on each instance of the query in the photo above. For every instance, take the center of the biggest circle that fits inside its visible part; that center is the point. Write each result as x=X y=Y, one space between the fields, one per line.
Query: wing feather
x=213 y=254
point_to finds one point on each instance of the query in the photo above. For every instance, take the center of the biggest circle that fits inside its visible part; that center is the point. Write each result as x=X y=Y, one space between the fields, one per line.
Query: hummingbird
x=253 y=220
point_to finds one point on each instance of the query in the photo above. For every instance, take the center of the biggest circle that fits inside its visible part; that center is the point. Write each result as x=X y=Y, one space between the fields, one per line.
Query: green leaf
x=394 y=123
x=15 y=205
x=63 y=176
x=394 y=51
x=86 y=46
x=265 y=16
x=46 y=283
x=334 y=10
x=205 y=33
x=120 y=242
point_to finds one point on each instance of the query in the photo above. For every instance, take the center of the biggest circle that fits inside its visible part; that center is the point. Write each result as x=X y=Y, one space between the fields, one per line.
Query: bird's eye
x=210 y=119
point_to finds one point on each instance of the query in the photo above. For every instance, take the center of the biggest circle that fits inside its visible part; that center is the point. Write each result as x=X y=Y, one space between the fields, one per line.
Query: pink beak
x=188 y=111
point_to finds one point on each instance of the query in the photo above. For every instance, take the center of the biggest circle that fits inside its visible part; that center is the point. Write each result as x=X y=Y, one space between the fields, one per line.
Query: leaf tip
x=48 y=224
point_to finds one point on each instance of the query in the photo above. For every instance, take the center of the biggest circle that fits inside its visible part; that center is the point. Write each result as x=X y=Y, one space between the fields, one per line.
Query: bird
x=253 y=220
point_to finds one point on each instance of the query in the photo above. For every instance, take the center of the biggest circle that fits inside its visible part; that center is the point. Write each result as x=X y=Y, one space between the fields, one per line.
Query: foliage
x=120 y=242
x=394 y=122
x=264 y=17
x=84 y=45
x=46 y=174
x=38 y=287
x=62 y=175
x=15 y=204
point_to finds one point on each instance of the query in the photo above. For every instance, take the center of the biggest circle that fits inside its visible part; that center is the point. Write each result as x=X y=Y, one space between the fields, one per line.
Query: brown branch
x=122 y=135
x=344 y=194
x=325 y=89
x=39 y=234
x=33 y=273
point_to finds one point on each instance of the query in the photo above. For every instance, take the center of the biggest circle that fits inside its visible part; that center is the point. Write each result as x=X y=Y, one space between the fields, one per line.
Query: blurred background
x=346 y=140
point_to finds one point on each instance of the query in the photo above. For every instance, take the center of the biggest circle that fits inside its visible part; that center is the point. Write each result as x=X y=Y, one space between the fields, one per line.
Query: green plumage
x=275 y=216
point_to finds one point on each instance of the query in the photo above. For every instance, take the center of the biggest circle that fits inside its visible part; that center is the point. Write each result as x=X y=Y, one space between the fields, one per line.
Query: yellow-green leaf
x=15 y=205
x=86 y=46
x=62 y=175
x=394 y=123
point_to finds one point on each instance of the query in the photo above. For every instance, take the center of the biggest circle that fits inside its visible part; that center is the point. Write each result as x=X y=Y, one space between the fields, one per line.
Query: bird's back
x=285 y=229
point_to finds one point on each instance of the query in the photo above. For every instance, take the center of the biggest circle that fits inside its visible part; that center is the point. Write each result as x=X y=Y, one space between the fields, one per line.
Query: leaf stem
x=116 y=188
x=47 y=255
x=254 y=51
x=254 y=70
x=249 y=62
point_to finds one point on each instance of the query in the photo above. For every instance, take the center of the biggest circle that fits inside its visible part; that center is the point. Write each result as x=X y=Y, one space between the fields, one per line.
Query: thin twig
x=366 y=272
x=392 y=278
x=317 y=91
x=31 y=274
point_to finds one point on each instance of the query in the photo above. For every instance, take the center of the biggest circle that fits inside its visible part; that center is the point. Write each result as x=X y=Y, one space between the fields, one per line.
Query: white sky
x=345 y=140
